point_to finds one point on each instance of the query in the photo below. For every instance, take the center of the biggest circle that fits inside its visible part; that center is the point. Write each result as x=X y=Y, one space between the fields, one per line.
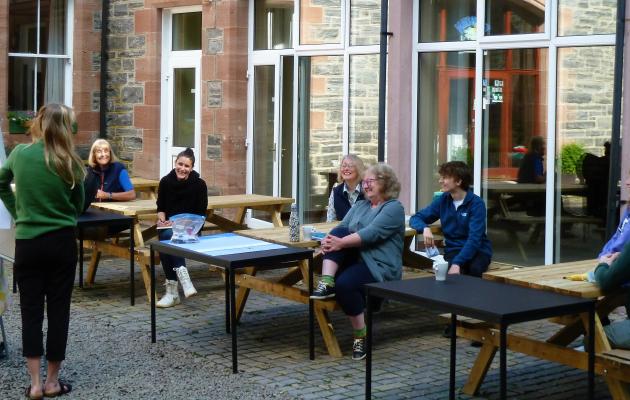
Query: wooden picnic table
x=144 y=185
x=146 y=210
x=609 y=363
x=285 y=286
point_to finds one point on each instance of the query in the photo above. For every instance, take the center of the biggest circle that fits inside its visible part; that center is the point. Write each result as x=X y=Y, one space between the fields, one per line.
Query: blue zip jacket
x=464 y=229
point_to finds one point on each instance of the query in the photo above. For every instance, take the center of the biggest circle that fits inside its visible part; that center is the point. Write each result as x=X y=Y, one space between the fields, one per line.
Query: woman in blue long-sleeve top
x=463 y=217
x=365 y=247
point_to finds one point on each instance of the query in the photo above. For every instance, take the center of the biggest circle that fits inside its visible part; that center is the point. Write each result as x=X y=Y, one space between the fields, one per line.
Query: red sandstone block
x=146 y=117
x=147 y=20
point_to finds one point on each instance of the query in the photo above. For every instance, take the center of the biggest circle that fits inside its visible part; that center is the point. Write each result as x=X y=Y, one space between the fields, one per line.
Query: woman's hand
x=609 y=258
x=454 y=270
x=101 y=195
x=428 y=237
x=331 y=243
x=161 y=223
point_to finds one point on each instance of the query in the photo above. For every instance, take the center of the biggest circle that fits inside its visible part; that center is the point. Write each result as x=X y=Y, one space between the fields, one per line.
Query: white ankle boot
x=171 y=297
x=184 y=279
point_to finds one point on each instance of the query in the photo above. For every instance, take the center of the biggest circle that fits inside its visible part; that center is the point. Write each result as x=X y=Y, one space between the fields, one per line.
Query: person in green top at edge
x=49 y=196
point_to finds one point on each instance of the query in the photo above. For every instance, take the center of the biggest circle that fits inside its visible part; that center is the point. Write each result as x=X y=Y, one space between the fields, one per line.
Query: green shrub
x=571 y=157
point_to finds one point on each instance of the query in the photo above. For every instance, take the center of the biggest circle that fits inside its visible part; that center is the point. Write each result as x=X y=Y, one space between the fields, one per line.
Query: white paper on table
x=5 y=218
x=227 y=243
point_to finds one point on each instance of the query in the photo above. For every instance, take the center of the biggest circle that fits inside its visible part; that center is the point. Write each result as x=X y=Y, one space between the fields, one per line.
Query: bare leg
x=52 y=377
x=33 y=366
x=329 y=267
x=358 y=322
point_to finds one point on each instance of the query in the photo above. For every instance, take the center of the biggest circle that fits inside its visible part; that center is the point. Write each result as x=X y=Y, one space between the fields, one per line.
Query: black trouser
x=44 y=270
x=475 y=267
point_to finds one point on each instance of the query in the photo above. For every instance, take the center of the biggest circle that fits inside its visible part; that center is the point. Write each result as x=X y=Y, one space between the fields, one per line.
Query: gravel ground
x=107 y=361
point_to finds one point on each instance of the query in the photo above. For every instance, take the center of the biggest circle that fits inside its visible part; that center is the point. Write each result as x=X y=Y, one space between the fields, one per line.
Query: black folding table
x=263 y=260
x=493 y=302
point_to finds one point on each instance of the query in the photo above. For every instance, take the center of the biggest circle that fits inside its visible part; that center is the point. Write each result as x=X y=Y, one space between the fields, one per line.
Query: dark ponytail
x=188 y=153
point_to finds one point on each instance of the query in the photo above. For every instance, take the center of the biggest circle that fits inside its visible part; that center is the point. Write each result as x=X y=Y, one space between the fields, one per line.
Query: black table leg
x=503 y=361
x=227 y=301
x=368 y=348
x=591 y=352
x=451 y=381
x=233 y=321
x=152 y=256
x=311 y=317
x=131 y=265
x=81 y=258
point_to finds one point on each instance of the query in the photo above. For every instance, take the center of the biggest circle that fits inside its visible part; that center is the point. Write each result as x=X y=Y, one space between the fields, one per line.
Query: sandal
x=64 y=388
x=28 y=395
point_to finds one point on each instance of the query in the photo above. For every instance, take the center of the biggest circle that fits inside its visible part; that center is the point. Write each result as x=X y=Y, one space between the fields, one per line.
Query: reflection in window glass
x=448 y=21
x=187 y=31
x=365 y=22
x=507 y=17
x=320 y=22
x=273 y=24
x=363 y=107
x=587 y=17
x=23 y=26
x=52 y=32
x=513 y=139
x=584 y=124
x=263 y=137
x=24 y=30
x=27 y=93
x=445 y=115
x=184 y=107
x=320 y=126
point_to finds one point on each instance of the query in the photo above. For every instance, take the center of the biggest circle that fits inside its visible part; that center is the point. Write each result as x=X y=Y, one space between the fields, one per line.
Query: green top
x=43 y=202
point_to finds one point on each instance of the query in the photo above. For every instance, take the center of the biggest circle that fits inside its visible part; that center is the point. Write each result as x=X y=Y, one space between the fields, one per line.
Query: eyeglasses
x=370 y=182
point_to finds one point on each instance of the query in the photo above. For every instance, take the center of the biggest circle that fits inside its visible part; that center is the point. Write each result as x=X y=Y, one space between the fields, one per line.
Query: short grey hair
x=386 y=174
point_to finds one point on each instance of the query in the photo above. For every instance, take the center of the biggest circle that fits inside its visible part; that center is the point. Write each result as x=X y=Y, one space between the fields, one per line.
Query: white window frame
x=549 y=40
x=68 y=56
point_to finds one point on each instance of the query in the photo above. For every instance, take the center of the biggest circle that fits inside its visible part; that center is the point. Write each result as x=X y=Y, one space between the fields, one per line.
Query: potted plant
x=18 y=120
x=571 y=156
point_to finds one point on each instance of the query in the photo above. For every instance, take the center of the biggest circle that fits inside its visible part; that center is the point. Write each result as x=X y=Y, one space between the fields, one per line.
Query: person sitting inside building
x=365 y=247
x=531 y=170
x=595 y=171
x=348 y=191
x=463 y=217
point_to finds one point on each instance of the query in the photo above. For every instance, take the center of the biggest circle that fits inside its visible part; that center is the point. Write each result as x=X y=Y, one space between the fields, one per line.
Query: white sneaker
x=184 y=279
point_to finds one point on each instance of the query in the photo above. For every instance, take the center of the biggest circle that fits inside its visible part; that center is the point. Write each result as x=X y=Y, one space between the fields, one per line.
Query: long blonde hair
x=53 y=125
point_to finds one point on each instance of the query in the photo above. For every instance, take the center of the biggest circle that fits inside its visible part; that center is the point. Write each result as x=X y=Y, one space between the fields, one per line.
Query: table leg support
x=227 y=302
x=503 y=361
x=311 y=316
x=132 y=288
x=81 y=258
x=368 y=347
x=451 y=381
x=591 y=353
x=233 y=319
x=152 y=256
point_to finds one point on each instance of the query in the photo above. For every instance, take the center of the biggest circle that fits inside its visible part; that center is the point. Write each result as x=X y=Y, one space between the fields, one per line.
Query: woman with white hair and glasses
x=348 y=191
x=365 y=247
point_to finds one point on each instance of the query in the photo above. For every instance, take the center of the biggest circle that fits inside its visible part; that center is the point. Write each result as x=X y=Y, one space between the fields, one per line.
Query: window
x=39 y=56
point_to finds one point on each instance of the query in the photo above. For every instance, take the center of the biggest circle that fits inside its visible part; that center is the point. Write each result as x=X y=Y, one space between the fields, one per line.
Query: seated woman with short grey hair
x=365 y=247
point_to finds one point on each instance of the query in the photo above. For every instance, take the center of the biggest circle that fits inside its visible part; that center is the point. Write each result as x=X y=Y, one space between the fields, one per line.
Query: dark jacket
x=531 y=167
x=178 y=197
x=108 y=179
x=341 y=202
x=464 y=229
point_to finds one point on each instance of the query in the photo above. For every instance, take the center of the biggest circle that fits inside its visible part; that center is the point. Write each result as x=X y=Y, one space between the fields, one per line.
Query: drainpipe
x=615 y=146
x=382 y=81
x=104 y=53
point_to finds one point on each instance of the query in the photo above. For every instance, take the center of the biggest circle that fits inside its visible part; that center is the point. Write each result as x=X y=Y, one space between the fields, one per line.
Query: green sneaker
x=358 y=349
x=323 y=291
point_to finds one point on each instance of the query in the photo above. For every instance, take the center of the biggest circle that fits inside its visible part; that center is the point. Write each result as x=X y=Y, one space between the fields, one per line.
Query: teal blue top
x=382 y=232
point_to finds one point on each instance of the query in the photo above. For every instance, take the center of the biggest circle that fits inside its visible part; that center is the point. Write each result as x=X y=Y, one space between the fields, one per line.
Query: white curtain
x=54 y=81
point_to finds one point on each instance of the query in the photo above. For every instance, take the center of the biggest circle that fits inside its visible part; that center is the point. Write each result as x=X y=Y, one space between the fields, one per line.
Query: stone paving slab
x=410 y=361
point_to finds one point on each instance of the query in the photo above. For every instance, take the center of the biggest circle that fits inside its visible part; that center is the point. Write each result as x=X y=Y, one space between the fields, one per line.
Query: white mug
x=307 y=230
x=441 y=270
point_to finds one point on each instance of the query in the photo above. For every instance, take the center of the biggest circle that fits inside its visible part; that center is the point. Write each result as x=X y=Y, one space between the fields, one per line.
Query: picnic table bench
x=614 y=365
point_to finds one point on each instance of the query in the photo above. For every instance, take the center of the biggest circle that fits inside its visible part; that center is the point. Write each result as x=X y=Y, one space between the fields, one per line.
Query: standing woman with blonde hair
x=48 y=177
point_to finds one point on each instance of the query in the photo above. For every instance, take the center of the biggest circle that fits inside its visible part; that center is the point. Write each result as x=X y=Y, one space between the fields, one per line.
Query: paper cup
x=307 y=230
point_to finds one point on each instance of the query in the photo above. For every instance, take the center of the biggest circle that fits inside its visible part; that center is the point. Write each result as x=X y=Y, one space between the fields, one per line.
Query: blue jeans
x=351 y=276
x=168 y=261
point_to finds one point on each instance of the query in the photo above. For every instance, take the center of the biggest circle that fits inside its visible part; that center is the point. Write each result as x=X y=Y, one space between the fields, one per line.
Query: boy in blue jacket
x=463 y=217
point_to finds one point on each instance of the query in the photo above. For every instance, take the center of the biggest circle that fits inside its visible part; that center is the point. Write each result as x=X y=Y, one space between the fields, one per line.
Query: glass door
x=270 y=150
